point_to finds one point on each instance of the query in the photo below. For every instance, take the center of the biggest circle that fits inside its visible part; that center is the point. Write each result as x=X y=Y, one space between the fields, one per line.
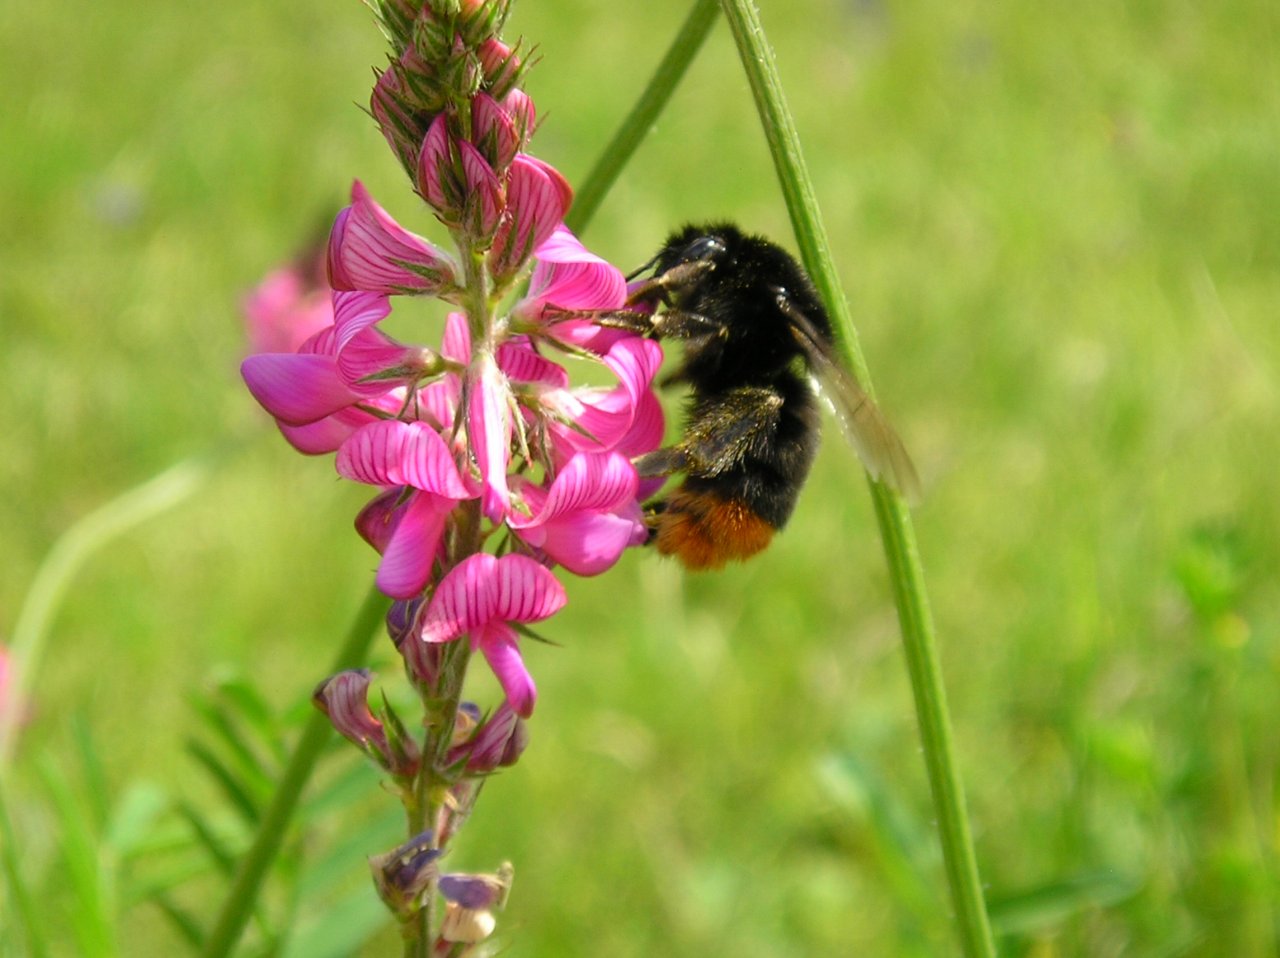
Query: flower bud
x=344 y=698
x=404 y=873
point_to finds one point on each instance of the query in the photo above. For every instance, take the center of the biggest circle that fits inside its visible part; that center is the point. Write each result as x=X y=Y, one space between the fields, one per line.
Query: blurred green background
x=1059 y=228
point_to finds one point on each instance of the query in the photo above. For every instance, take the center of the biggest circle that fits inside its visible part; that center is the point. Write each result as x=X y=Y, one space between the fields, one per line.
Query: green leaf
x=182 y=920
x=90 y=914
x=236 y=792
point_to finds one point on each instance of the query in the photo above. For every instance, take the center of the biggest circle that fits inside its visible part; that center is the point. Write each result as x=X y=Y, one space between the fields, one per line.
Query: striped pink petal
x=483 y=203
x=569 y=276
x=483 y=588
x=489 y=430
x=589 y=482
x=588 y=543
x=370 y=251
x=535 y=207
x=296 y=389
x=395 y=453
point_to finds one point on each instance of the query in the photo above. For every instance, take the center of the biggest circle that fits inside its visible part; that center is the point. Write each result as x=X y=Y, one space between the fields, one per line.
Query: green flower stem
x=896 y=531
x=271 y=830
x=631 y=132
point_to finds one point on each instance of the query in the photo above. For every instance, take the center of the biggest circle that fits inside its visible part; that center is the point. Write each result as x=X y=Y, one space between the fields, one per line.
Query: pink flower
x=480 y=597
x=587 y=515
x=371 y=252
x=285 y=309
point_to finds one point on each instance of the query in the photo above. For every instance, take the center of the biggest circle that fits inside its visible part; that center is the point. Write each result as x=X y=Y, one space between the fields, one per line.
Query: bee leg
x=662 y=462
x=628 y=319
x=682 y=324
x=676 y=280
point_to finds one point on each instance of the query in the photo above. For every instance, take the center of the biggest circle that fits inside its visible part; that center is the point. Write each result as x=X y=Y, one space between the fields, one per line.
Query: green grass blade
x=896 y=531
x=82 y=866
x=21 y=900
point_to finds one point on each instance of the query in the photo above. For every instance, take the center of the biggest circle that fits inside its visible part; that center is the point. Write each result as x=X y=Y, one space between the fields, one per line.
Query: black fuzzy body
x=751 y=426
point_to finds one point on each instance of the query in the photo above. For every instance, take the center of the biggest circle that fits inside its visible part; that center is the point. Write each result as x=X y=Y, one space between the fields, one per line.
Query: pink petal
x=377 y=521
x=489 y=430
x=395 y=453
x=368 y=250
x=438 y=402
x=483 y=588
x=456 y=344
x=406 y=563
x=571 y=277
x=355 y=311
x=483 y=204
x=535 y=208
x=524 y=590
x=327 y=434
x=498 y=643
x=519 y=106
x=494 y=131
x=588 y=543
x=374 y=365
x=563 y=190
x=435 y=167
x=296 y=389
x=588 y=482
x=521 y=363
x=462 y=600
x=648 y=425
x=344 y=698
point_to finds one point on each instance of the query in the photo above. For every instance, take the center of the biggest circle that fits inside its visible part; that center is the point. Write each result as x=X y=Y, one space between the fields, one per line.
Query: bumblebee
x=755 y=337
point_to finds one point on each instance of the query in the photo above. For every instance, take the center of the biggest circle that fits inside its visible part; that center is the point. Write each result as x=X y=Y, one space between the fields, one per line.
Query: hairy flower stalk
x=491 y=467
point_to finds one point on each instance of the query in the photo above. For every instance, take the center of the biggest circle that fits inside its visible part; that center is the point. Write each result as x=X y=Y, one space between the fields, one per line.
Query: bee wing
x=874 y=440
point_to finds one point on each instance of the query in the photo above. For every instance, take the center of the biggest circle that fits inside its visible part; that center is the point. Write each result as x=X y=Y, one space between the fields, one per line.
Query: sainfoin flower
x=481 y=415
x=489 y=464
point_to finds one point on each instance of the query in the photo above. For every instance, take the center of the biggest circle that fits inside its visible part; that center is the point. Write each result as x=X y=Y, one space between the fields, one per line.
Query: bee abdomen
x=705 y=530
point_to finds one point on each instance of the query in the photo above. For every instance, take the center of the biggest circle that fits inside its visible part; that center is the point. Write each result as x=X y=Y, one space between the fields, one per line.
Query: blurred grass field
x=1059 y=228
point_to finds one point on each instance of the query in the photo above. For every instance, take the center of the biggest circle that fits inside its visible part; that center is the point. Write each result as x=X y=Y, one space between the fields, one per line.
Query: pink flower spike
x=489 y=430
x=368 y=250
x=480 y=595
x=296 y=388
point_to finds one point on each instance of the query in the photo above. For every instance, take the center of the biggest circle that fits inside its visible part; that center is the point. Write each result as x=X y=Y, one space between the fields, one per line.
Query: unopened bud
x=404 y=873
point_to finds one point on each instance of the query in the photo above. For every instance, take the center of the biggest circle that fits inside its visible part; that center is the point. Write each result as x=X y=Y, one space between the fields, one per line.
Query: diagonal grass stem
x=896 y=532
